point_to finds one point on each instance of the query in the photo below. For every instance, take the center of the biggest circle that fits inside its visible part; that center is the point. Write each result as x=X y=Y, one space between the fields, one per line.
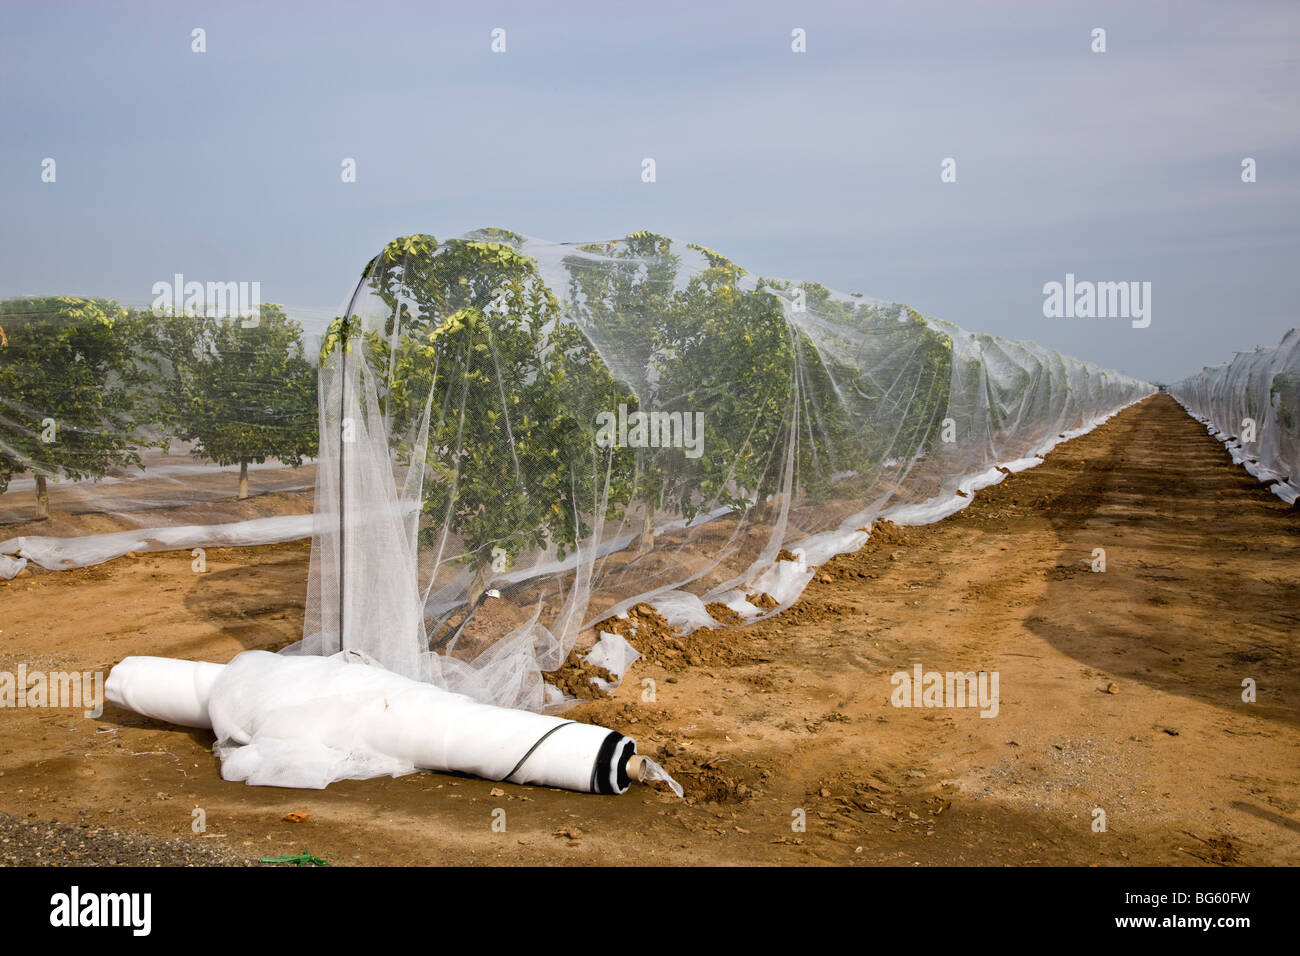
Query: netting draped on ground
x=1252 y=404
x=519 y=439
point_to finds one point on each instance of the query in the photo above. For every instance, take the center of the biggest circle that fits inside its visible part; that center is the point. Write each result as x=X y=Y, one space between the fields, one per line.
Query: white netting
x=1252 y=404
x=519 y=439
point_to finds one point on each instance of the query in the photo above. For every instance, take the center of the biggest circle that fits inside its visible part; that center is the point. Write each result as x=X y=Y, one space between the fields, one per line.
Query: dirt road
x=1119 y=691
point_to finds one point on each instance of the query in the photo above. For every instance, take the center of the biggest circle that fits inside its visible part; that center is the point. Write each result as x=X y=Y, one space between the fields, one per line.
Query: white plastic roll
x=304 y=722
x=164 y=688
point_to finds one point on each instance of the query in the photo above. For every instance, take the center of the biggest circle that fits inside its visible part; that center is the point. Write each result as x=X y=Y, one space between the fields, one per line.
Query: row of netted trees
x=803 y=397
x=87 y=385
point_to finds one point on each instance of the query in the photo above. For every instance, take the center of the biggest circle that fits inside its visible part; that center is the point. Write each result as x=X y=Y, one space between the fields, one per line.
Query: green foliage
x=729 y=353
x=71 y=362
x=495 y=234
x=511 y=450
x=1005 y=383
x=342 y=332
x=622 y=302
x=820 y=378
x=240 y=394
x=517 y=380
x=879 y=385
x=1284 y=394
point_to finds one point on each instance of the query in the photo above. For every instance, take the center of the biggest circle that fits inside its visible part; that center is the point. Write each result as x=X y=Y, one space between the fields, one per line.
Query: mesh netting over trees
x=519 y=439
x=512 y=440
x=1252 y=404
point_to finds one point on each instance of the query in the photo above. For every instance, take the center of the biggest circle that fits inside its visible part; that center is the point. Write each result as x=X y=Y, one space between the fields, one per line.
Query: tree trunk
x=647 y=539
x=769 y=511
x=243 y=479
x=42 y=499
x=479 y=583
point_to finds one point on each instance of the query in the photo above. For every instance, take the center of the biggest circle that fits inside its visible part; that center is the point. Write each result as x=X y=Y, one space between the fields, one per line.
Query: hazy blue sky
x=825 y=165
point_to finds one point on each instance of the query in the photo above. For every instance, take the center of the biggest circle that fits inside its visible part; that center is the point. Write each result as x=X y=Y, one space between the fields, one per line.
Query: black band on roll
x=537 y=743
x=624 y=755
x=602 y=775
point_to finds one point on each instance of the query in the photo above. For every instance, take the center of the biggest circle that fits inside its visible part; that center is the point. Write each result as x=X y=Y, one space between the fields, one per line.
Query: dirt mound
x=723 y=614
x=888 y=534
x=575 y=678
x=719 y=781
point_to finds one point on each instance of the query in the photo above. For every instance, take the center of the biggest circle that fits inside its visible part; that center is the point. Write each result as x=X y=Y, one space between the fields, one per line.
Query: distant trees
x=240 y=391
x=86 y=385
x=70 y=390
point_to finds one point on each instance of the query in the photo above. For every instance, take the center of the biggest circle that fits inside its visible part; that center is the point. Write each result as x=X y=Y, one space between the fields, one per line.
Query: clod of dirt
x=723 y=614
x=574 y=678
x=886 y=533
x=712 y=779
x=661 y=644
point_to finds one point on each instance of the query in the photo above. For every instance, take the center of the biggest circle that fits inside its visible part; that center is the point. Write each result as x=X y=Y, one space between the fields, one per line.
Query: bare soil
x=1120 y=691
x=170 y=490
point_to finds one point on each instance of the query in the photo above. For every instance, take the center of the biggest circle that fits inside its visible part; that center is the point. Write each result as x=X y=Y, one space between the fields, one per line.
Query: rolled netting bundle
x=130 y=429
x=1252 y=405
x=521 y=439
x=305 y=722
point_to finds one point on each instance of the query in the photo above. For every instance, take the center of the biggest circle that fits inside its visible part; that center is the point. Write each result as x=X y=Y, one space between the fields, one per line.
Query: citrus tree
x=70 y=389
x=475 y=336
x=728 y=352
x=241 y=392
x=890 y=372
x=621 y=295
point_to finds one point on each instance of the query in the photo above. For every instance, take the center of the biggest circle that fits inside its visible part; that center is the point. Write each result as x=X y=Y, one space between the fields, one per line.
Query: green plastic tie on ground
x=302 y=859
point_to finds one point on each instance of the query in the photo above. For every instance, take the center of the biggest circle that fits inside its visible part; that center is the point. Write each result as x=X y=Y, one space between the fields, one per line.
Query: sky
x=1123 y=165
